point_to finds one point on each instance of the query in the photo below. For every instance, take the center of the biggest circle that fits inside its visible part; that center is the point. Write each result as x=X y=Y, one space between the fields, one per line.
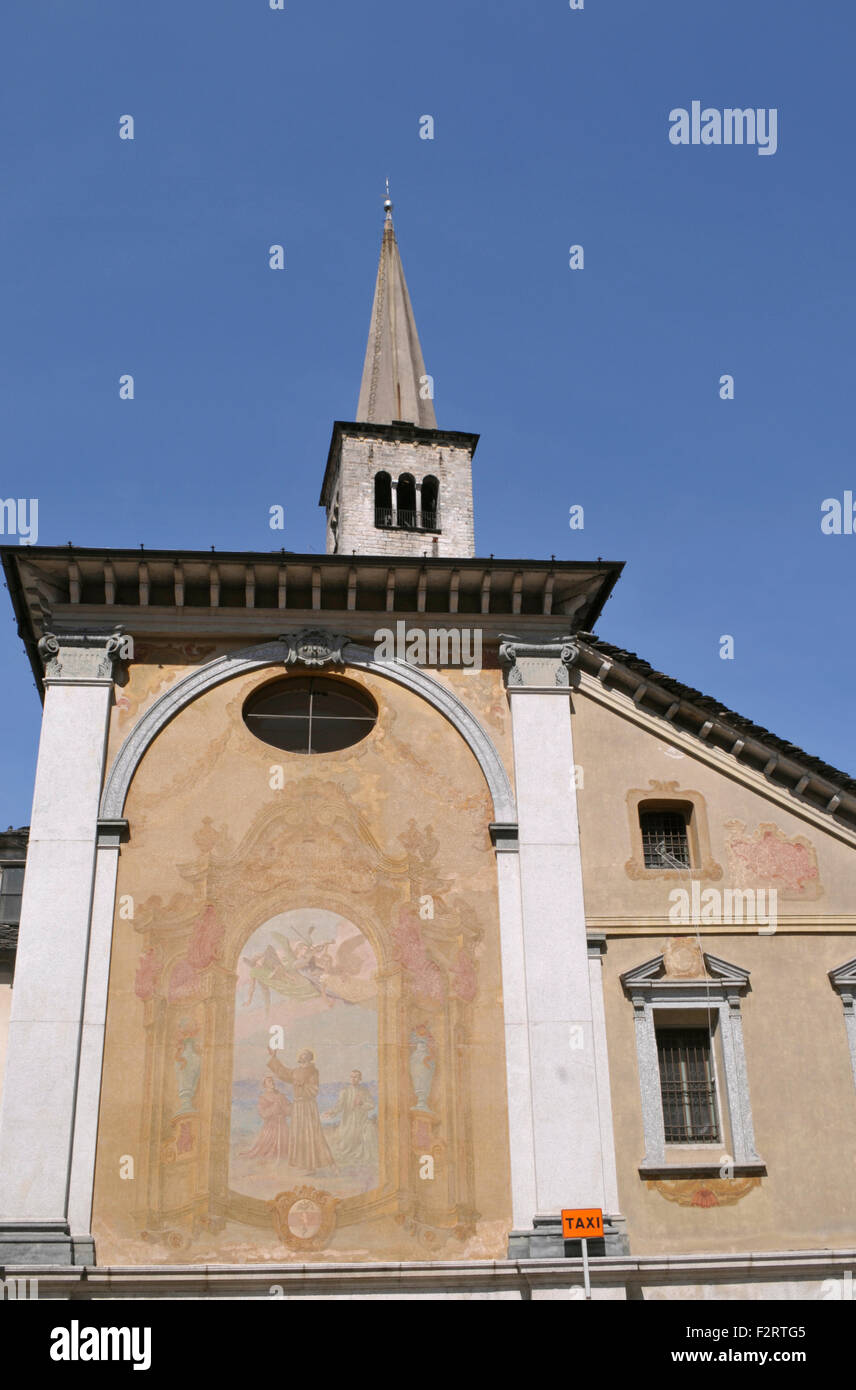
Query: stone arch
x=281 y=651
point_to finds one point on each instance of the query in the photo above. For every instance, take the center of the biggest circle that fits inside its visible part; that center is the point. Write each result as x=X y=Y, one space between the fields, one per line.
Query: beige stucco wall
x=803 y=1100
x=617 y=758
x=800 y=1076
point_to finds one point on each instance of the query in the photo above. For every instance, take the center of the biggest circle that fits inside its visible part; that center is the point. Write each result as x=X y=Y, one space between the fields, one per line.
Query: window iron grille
x=407 y=520
x=687 y=1086
x=665 y=842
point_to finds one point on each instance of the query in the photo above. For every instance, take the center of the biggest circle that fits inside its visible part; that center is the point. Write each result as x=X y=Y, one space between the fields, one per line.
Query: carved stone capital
x=314 y=647
x=83 y=657
x=537 y=664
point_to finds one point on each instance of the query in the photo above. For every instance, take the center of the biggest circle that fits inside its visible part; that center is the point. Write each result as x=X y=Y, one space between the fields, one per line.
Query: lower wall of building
x=774 y=1276
x=803 y=1107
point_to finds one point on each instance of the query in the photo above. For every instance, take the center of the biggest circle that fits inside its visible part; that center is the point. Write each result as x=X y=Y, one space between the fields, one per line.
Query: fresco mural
x=308 y=1106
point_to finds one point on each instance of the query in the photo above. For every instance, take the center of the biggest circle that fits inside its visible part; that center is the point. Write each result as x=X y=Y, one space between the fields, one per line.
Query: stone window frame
x=843 y=981
x=651 y=992
x=696 y=1029
x=667 y=796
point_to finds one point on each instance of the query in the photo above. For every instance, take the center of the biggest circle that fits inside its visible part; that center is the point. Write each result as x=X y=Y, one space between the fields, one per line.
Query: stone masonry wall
x=362 y=458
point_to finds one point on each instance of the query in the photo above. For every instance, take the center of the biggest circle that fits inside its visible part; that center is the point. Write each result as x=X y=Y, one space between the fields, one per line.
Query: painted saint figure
x=307 y=1148
x=354 y=1140
x=274 y=1109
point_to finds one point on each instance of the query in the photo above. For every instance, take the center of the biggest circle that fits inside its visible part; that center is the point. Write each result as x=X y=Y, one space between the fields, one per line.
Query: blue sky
x=597 y=387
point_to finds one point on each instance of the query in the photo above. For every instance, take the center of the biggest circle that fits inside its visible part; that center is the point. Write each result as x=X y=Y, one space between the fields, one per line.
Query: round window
x=310 y=715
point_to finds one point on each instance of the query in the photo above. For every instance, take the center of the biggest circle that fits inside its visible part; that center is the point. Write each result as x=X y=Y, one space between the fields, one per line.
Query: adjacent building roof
x=784 y=764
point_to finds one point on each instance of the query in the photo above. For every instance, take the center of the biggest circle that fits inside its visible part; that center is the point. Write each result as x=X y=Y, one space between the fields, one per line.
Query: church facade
x=376 y=911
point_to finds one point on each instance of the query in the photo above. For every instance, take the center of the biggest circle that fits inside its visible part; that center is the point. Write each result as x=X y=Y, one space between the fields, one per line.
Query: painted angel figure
x=310 y=969
x=342 y=976
x=277 y=970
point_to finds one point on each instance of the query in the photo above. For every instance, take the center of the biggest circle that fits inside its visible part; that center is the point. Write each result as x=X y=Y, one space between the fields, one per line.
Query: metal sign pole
x=580 y=1219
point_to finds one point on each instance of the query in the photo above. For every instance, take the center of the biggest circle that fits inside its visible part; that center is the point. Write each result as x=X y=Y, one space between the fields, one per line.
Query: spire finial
x=388 y=204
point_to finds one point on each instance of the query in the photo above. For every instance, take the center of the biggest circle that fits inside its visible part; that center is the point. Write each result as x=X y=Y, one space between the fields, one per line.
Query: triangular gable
x=651 y=973
x=843 y=978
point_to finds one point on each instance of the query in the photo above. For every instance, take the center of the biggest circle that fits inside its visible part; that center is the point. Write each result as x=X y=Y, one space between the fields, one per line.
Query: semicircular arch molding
x=274 y=653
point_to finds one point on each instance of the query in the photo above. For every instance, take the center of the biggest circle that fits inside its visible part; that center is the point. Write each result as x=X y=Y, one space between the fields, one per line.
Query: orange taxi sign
x=582 y=1223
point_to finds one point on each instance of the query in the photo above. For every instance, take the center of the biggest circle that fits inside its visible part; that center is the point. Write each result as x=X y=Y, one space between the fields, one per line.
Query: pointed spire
x=394 y=370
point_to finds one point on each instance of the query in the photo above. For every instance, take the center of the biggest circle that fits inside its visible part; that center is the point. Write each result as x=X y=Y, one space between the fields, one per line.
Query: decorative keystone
x=314 y=647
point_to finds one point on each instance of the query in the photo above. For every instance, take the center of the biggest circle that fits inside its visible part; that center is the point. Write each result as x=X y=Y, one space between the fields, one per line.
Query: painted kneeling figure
x=274 y=1109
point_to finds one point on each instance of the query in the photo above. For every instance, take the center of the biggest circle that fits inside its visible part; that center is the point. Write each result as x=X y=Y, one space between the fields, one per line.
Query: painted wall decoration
x=154 y=668
x=304 y=1050
x=703 y=1192
x=768 y=858
x=683 y=959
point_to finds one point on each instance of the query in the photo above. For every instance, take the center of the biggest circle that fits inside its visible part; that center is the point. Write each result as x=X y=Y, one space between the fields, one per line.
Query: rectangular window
x=687 y=1086
x=665 y=842
x=11 y=887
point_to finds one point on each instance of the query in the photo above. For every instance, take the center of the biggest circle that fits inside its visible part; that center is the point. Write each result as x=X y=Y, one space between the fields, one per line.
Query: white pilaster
x=521 y=1132
x=92 y=1037
x=601 y=1061
x=40 y=1091
x=573 y=1143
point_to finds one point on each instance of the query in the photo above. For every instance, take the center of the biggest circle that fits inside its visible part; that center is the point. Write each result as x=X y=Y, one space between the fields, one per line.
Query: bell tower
x=395 y=484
